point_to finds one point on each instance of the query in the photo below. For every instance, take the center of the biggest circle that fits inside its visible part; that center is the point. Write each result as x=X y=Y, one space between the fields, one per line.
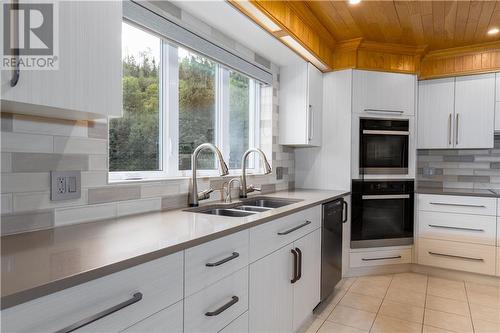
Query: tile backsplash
x=459 y=168
x=32 y=146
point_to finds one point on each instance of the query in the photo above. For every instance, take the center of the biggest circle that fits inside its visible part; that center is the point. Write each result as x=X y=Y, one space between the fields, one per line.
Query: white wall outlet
x=65 y=185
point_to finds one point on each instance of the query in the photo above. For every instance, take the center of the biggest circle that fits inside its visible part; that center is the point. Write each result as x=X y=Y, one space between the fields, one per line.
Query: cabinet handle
x=456 y=129
x=286 y=232
x=311 y=119
x=449 y=130
x=457 y=228
x=380 y=258
x=223 y=308
x=135 y=298
x=345 y=211
x=299 y=252
x=456 y=205
x=234 y=255
x=454 y=256
x=384 y=196
x=384 y=111
x=16 y=72
x=295 y=274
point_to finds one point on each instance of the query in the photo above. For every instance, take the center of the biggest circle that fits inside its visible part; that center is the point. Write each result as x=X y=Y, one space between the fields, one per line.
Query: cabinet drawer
x=457 y=204
x=379 y=258
x=455 y=255
x=215 y=307
x=498 y=261
x=212 y=261
x=167 y=320
x=479 y=229
x=239 y=325
x=273 y=235
x=160 y=281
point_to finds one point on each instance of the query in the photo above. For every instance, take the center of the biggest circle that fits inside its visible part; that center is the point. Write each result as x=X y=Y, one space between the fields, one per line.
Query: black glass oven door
x=384 y=153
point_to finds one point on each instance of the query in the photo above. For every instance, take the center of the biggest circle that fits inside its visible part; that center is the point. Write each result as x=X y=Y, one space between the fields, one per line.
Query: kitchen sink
x=244 y=208
x=253 y=208
x=269 y=202
x=226 y=212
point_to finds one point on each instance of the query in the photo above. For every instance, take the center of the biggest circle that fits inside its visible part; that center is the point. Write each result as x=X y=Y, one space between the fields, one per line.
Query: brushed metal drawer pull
x=381 y=258
x=281 y=233
x=457 y=228
x=223 y=308
x=385 y=196
x=457 y=205
x=454 y=256
x=89 y=320
x=384 y=111
x=234 y=255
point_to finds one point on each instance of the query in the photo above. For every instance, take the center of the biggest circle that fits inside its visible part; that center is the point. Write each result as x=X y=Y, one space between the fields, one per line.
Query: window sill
x=232 y=174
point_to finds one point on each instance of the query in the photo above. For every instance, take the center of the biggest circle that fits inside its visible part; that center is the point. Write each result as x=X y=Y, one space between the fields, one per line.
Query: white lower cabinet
x=380 y=257
x=239 y=325
x=284 y=290
x=168 y=320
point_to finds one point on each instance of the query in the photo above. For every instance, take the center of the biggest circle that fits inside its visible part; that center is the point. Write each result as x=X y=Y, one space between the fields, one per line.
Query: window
x=174 y=99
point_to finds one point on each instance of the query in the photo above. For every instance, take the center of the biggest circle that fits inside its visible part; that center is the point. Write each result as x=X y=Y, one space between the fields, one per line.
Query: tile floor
x=409 y=302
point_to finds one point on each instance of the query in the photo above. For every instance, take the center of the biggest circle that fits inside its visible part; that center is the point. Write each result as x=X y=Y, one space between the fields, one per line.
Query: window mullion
x=223 y=111
x=171 y=111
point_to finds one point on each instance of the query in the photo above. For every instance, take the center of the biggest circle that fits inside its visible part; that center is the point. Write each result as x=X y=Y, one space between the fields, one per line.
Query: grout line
x=383 y=298
x=468 y=306
x=425 y=302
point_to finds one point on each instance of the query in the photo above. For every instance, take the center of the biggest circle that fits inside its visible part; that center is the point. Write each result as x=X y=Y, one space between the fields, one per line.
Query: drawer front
x=273 y=235
x=212 y=261
x=379 y=258
x=479 y=229
x=167 y=320
x=160 y=281
x=498 y=261
x=460 y=256
x=213 y=308
x=239 y=325
x=457 y=204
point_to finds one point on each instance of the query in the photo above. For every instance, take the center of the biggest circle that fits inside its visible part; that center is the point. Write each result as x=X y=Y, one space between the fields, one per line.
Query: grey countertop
x=459 y=191
x=38 y=263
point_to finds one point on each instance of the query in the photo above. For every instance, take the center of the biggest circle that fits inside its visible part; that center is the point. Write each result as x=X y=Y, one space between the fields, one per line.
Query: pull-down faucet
x=267 y=170
x=194 y=195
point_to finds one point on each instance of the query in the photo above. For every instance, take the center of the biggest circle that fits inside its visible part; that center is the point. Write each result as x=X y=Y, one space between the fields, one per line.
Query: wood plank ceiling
x=435 y=24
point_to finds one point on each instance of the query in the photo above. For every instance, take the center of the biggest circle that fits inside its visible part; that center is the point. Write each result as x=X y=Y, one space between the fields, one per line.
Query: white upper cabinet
x=436 y=102
x=497 y=102
x=383 y=93
x=87 y=84
x=457 y=112
x=301 y=103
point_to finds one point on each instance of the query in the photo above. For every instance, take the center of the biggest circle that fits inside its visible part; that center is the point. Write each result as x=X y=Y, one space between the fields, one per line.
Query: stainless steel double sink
x=245 y=207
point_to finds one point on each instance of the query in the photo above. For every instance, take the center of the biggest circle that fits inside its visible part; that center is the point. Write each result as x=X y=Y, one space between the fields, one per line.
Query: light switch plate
x=65 y=185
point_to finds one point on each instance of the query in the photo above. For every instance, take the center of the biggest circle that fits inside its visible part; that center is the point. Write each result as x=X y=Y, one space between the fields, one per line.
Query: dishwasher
x=334 y=216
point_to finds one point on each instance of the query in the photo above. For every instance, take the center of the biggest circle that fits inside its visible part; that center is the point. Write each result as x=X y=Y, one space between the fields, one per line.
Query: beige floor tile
x=325 y=308
x=432 y=329
x=384 y=324
x=447 y=321
x=481 y=312
x=331 y=327
x=439 y=282
x=361 y=302
x=482 y=326
x=369 y=288
x=410 y=281
x=352 y=317
x=447 y=305
x=346 y=283
x=492 y=300
x=402 y=311
x=376 y=279
x=315 y=325
x=447 y=289
x=405 y=296
x=482 y=288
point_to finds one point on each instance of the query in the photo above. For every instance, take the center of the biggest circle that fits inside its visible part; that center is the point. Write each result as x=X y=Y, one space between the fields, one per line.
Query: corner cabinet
x=301 y=104
x=457 y=112
x=87 y=84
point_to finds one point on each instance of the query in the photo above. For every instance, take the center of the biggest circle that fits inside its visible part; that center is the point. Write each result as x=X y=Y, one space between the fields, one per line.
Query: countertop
x=39 y=263
x=460 y=191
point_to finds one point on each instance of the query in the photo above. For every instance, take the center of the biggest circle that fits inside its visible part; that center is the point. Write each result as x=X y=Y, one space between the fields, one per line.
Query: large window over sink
x=174 y=99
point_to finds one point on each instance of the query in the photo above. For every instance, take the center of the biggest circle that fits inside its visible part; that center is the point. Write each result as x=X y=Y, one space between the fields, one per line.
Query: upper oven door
x=384 y=146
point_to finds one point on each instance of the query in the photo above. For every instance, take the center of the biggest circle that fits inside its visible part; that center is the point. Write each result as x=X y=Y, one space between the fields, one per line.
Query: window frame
x=169 y=118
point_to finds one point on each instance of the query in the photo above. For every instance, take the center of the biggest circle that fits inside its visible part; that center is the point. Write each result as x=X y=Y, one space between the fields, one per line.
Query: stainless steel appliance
x=384 y=146
x=382 y=213
x=334 y=216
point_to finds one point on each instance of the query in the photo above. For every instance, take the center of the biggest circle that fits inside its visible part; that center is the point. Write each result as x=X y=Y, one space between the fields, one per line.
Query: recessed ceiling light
x=354 y=2
x=493 y=31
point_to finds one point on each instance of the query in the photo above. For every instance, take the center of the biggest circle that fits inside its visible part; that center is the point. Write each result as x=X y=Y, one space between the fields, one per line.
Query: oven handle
x=385 y=196
x=380 y=132
x=384 y=111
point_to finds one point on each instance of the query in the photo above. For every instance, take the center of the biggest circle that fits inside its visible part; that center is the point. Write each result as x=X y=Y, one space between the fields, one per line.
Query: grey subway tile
x=479 y=179
x=113 y=193
x=28 y=221
x=33 y=162
x=291 y=185
x=6 y=121
x=97 y=130
x=458 y=158
x=175 y=201
x=429 y=184
x=268 y=188
x=495 y=165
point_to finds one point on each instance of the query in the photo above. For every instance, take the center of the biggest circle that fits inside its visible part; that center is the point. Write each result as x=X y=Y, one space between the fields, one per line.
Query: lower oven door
x=382 y=220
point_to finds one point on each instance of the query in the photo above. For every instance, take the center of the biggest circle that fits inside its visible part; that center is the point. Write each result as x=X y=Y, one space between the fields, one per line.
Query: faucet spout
x=194 y=196
x=267 y=170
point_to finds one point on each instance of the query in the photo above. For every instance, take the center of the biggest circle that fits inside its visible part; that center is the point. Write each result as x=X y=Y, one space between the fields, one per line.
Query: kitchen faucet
x=194 y=195
x=244 y=189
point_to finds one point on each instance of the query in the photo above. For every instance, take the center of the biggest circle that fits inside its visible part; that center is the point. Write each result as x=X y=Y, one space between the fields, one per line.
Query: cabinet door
x=306 y=291
x=239 y=325
x=271 y=292
x=436 y=100
x=167 y=320
x=474 y=111
x=383 y=93
x=315 y=105
x=497 y=102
